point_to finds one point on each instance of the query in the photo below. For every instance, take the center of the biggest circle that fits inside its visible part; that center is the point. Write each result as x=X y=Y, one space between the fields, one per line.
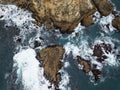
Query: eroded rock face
x=50 y=59
x=105 y=7
x=116 y=22
x=62 y=14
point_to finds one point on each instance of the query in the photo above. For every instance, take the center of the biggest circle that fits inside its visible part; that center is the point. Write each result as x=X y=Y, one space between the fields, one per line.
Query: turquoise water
x=78 y=79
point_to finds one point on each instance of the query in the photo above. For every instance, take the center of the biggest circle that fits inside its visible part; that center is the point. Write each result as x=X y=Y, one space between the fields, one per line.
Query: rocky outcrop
x=62 y=14
x=105 y=7
x=85 y=63
x=116 y=22
x=89 y=67
x=50 y=60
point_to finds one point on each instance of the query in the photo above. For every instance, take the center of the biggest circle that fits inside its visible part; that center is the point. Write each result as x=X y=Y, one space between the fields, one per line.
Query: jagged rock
x=99 y=53
x=87 y=21
x=105 y=7
x=116 y=22
x=88 y=66
x=61 y=14
x=85 y=63
x=50 y=59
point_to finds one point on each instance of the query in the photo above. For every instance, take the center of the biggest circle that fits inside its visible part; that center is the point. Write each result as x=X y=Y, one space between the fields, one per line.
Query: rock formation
x=62 y=14
x=99 y=50
x=116 y=22
x=105 y=7
x=89 y=67
x=50 y=59
x=85 y=63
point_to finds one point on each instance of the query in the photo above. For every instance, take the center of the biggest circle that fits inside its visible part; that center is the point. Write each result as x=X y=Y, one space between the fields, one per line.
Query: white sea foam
x=63 y=85
x=31 y=74
x=82 y=50
x=71 y=48
x=66 y=64
x=111 y=56
x=22 y=19
x=112 y=59
x=107 y=20
x=104 y=39
x=78 y=30
x=99 y=65
x=15 y=15
x=96 y=17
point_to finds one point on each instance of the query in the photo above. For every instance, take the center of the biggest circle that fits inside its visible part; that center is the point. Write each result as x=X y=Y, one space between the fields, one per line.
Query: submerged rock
x=57 y=14
x=116 y=22
x=105 y=7
x=50 y=59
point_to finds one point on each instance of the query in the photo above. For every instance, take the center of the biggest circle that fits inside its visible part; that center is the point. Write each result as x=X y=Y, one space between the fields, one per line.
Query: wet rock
x=57 y=14
x=85 y=63
x=1 y=16
x=116 y=22
x=105 y=7
x=89 y=67
x=50 y=59
x=96 y=74
x=99 y=53
x=87 y=21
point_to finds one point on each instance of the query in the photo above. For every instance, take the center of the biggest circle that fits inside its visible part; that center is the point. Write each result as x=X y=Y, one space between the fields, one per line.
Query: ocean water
x=19 y=69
